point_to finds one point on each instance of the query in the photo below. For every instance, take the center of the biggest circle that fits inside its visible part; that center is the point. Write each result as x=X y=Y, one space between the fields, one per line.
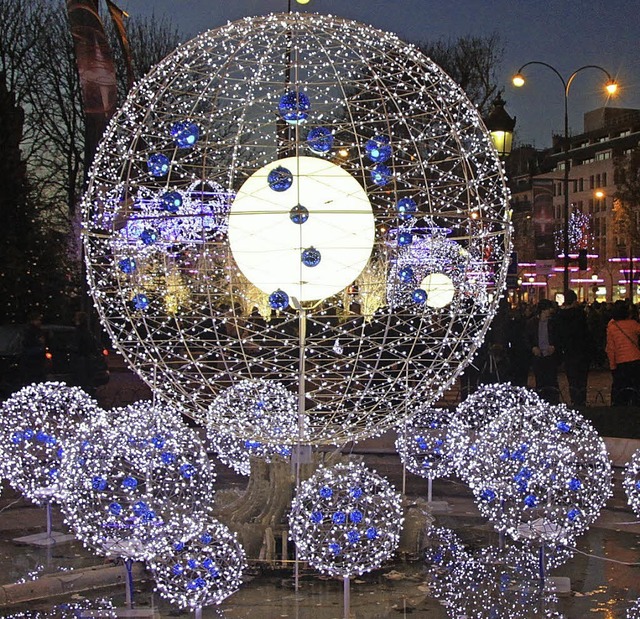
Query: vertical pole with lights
x=611 y=88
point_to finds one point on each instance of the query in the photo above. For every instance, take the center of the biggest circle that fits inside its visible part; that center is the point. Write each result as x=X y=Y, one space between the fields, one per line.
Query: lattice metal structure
x=303 y=199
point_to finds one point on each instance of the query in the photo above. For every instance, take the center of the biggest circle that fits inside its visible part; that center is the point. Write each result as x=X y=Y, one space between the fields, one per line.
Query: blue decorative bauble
x=185 y=134
x=127 y=265
x=381 y=174
x=405 y=238
x=355 y=516
x=575 y=484
x=158 y=165
x=335 y=548
x=320 y=140
x=140 y=302
x=353 y=537
x=280 y=179
x=339 y=518
x=115 y=509
x=378 y=148
x=419 y=296
x=294 y=107
x=316 y=517
x=171 y=201
x=311 y=257
x=405 y=274
x=149 y=236
x=488 y=495
x=572 y=514
x=531 y=500
x=299 y=214
x=326 y=492
x=130 y=482
x=406 y=208
x=279 y=300
x=372 y=533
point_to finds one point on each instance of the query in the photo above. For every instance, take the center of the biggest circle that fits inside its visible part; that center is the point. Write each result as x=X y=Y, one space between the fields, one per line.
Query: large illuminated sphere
x=138 y=480
x=346 y=520
x=422 y=443
x=631 y=482
x=36 y=423
x=203 y=571
x=333 y=150
x=539 y=473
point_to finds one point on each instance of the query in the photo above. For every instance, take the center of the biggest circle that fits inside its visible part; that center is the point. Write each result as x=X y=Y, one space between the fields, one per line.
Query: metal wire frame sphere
x=183 y=308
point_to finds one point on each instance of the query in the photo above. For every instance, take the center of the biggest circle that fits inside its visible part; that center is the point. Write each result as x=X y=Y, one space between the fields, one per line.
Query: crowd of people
x=544 y=338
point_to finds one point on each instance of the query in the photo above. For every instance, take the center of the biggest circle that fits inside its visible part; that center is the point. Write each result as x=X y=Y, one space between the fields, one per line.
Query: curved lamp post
x=611 y=88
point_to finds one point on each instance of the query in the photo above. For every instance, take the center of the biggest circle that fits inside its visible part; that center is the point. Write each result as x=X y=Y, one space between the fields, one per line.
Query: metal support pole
x=302 y=333
x=128 y=564
x=347 y=597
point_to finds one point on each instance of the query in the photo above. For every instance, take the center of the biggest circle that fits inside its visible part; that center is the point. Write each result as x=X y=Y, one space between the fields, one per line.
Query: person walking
x=576 y=347
x=623 y=351
x=542 y=341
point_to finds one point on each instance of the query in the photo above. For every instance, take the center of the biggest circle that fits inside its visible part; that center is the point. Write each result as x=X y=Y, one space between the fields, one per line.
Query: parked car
x=61 y=357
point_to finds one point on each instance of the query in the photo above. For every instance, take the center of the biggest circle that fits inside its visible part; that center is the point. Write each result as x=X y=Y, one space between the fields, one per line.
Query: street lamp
x=611 y=88
x=500 y=126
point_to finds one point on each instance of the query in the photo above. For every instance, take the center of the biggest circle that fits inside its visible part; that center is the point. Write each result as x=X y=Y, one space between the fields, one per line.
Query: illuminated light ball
x=280 y=179
x=140 y=301
x=534 y=481
x=127 y=265
x=405 y=274
x=311 y=257
x=422 y=442
x=381 y=175
x=378 y=148
x=320 y=140
x=299 y=214
x=185 y=134
x=158 y=165
x=171 y=201
x=279 y=300
x=294 y=107
x=631 y=482
x=406 y=208
x=419 y=296
x=202 y=571
x=633 y=612
x=346 y=520
x=257 y=411
x=149 y=236
x=439 y=288
x=35 y=425
x=138 y=480
x=226 y=331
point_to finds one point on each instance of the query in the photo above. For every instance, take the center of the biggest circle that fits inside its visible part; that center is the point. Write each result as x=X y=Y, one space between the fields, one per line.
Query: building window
x=581 y=184
x=604 y=179
x=597 y=180
x=603 y=156
x=591 y=182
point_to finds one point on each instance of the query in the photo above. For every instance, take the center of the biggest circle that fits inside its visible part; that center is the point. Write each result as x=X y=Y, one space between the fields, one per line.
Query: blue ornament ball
x=299 y=214
x=279 y=300
x=149 y=236
x=158 y=165
x=405 y=274
x=405 y=238
x=140 y=302
x=406 y=208
x=171 y=201
x=127 y=265
x=381 y=175
x=378 y=148
x=280 y=179
x=320 y=140
x=294 y=107
x=311 y=257
x=185 y=134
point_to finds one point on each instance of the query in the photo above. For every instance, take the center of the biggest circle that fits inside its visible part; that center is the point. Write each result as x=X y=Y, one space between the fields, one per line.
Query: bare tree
x=472 y=62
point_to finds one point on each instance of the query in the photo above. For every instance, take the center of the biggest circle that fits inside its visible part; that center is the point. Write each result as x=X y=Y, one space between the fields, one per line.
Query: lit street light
x=611 y=88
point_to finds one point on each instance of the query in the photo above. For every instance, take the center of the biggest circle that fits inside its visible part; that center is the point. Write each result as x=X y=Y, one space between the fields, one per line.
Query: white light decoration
x=138 y=480
x=263 y=412
x=633 y=612
x=631 y=482
x=422 y=443
x=539 y=473
x=345 y=520
x=36 y=423
x=267 y=246
x=328 y=143
x=203 y=571
x=477 y=410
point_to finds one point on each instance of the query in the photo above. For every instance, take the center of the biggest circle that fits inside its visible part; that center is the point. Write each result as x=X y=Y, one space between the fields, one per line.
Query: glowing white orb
x=439 y=288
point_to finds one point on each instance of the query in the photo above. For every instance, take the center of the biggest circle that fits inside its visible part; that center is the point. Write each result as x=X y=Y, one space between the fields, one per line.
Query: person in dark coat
x=542 y=341
x=576 y=345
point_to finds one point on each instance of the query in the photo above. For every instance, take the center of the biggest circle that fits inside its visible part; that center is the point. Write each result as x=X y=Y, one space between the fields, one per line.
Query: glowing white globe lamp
x=439 y=288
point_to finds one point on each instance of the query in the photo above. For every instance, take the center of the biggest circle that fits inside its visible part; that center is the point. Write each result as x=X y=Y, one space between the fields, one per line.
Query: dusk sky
x=566 y=34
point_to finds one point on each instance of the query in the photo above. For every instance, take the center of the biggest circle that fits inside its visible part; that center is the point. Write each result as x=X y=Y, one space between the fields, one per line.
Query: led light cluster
x=340 y=100
x=540 y=473
x=422 y=443
x=36 y=423
x=138 y=480
x=346 y=520
x=203 y=571
x=631 y=482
